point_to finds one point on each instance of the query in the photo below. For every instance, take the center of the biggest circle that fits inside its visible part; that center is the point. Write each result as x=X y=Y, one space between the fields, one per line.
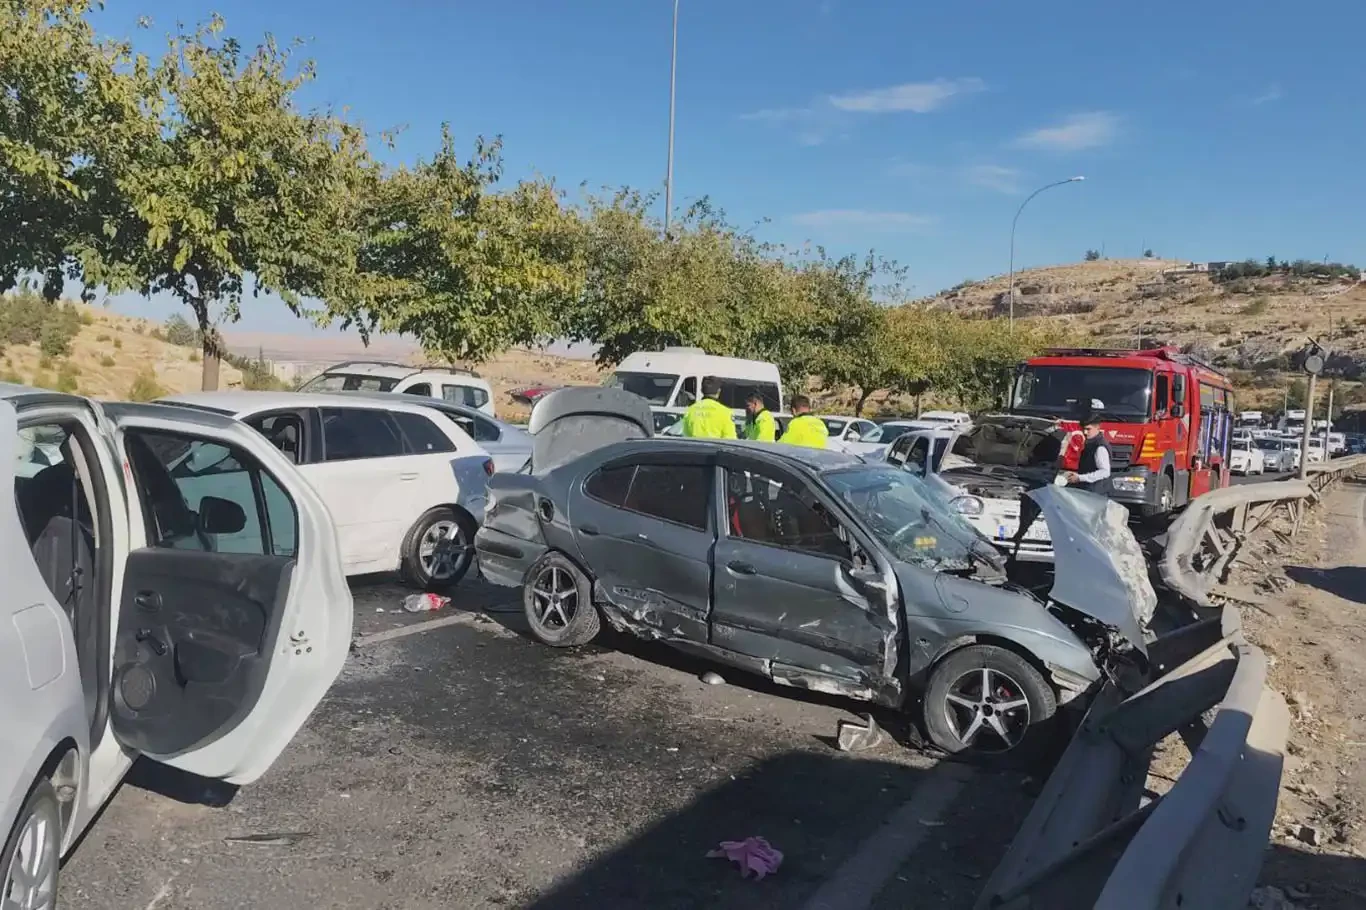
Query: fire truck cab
x=1167 y=416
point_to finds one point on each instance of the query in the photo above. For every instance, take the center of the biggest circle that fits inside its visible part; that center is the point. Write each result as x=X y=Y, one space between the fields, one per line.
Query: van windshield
x=656 y=388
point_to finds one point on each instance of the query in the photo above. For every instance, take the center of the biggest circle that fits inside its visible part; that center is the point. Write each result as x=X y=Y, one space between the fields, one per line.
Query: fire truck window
x=1163 y=394
x=1206 y=396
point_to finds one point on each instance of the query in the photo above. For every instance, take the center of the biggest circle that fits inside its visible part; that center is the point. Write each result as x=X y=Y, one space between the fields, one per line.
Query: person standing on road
x=805 y=428
x=1093 y=469
x=759 y=425
x=708 y=418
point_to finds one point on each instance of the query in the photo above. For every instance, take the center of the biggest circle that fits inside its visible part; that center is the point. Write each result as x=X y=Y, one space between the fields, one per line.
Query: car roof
x=22 y=395
x=240 y=401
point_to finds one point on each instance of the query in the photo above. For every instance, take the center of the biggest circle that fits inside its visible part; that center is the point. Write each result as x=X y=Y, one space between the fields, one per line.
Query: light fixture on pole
x=673 y=82
x=1011 y=290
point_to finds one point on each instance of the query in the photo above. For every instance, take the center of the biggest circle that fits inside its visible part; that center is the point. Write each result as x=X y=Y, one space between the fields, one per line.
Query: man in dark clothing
x=1094 y=467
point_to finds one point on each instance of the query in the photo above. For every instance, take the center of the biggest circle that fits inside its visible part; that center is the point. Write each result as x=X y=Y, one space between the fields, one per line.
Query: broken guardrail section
x=1098 y=837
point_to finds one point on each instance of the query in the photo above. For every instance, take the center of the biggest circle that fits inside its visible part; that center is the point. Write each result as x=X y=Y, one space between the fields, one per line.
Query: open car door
x=235 y=616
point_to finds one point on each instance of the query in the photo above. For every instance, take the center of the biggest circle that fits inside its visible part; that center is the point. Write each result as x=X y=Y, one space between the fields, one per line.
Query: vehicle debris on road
x=423 y=603
x=753 y=854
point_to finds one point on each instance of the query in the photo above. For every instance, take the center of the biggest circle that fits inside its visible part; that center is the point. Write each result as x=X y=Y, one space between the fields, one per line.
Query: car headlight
x=967 y=505
x=1130 y=484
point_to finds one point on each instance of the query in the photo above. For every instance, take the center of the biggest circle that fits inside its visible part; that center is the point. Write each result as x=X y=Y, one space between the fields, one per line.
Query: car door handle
x=588 y=530
x=411 y=475
x=741 y=568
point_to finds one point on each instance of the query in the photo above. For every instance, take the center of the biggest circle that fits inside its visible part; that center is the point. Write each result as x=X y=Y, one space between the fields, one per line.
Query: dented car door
x=787 y=593
x=644 y=525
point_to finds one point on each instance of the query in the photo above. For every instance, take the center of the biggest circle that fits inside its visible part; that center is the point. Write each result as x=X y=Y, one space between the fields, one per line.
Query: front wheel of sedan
x=985 y=700
x=558 y=600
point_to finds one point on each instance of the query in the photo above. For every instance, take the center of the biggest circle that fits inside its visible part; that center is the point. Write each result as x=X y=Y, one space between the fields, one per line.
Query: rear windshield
x=348 y=382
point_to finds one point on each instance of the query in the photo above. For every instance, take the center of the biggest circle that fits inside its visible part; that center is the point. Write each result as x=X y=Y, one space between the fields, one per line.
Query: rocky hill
x=94 y=351
x=1249 y=327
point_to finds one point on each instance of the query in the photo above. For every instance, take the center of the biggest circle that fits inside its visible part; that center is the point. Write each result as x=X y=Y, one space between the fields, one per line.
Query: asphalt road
x=458 y=764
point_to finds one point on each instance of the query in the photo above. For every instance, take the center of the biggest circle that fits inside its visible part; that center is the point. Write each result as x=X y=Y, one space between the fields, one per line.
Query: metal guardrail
x=1097 y=837
x=1204 y=539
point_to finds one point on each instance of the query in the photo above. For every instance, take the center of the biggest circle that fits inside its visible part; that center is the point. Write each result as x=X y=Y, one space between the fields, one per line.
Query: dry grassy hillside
x=110 y=356
x=1248 y=327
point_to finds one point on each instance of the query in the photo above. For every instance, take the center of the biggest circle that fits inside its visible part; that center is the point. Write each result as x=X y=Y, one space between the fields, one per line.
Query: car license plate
x=1038 y=531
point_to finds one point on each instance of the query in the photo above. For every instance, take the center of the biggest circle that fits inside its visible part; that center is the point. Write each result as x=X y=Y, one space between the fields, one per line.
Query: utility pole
x=673 y=83
x=1010 y=290
x=1308 y=426
x=1329 y=427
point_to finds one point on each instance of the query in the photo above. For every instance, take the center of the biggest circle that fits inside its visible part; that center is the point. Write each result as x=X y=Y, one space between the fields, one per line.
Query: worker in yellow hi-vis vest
x=708 y=418
x=805 y=428
x=760 y=425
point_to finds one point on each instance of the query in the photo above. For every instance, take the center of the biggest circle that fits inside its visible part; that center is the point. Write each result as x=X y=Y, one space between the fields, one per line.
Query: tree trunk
x=862 y=400
x=918 y=407
x=212 y=353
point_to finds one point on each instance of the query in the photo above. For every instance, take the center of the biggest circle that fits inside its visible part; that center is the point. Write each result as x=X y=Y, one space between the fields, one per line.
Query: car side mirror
x=221 y=516
x=1178 y=410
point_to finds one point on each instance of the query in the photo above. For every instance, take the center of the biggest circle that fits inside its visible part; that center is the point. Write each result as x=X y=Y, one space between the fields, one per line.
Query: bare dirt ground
x=1316 y=648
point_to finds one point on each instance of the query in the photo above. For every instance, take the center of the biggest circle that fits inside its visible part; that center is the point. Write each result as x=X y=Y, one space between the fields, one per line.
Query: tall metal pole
x=1328 y=429
x=673 y=83
x=1011 y=290
x=1308 y=427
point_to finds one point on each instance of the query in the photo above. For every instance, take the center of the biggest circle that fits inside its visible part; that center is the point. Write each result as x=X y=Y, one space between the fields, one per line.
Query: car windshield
x=1269 y=445
x=910 y=520
x=348 y=382
x=655 y=388
x=888 y=432
x=1117 y=393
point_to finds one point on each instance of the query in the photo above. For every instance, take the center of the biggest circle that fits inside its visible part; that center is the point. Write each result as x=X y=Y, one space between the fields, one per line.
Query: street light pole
x=1014 y=221
x=673 y=82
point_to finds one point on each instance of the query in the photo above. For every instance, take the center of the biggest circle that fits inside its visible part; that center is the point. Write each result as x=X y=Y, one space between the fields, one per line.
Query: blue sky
x=1204 y=130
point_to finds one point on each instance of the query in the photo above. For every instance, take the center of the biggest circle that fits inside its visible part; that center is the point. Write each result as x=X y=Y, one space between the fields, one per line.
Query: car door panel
x=652 y=576
x=220 y=657
x=798 y=605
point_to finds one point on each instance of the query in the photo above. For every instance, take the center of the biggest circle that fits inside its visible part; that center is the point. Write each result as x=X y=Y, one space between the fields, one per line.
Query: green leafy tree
x=179 y=332
x=464 y=270
x=1092 y=255
x=240 y=192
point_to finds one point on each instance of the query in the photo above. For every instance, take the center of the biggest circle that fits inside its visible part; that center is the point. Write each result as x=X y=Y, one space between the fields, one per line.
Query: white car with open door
x=405 y=485
x=141 y=618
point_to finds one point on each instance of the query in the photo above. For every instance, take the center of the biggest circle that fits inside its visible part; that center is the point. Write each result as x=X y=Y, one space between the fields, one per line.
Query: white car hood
x=1098 y=566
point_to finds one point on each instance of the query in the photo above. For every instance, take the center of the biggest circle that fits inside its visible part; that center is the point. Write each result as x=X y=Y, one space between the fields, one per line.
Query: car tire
x=1165 y=499
x=953 y=703
x=558 y=601
x=439 y=550
x=34 y=845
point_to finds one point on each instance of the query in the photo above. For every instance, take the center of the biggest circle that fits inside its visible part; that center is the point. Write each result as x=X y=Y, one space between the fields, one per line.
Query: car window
x=677 y=493
x=180 y=478
x=422 y=437
x=348 y=382
x=781 y=512
x=486 y=430
x=422 y=388
x=352 y=433
x=469 y=396
x=285 y=432
x=610 y=485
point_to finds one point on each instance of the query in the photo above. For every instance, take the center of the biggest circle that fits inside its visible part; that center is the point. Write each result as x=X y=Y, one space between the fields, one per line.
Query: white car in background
x=1277 y=457
x=846 y=429
x=406 y=487
x=453 y=384
x=1245 y=457
x=139 y=619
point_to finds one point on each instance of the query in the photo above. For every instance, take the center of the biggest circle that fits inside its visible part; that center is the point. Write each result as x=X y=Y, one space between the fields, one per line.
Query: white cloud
x=863 y=219
x=811 y=125
x=993 y=177
x=1077 y=132
x=1273 y=92
x=917 y=97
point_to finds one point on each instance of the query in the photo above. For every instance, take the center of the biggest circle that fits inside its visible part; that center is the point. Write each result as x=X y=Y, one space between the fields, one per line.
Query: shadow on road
x=1316 y=880
x=1347 y=582
x=797 y=801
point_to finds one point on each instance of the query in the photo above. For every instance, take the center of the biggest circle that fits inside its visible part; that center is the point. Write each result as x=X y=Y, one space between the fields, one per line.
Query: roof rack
x=435 y=367
x=1165 y=352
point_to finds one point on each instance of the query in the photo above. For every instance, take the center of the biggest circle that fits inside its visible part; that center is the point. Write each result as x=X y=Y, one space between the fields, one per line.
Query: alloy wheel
x=556 y=599
x=443 y=550
x=987 y=710
x=30 y=882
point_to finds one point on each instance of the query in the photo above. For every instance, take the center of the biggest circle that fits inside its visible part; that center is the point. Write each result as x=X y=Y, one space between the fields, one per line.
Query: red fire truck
x=1166 y=415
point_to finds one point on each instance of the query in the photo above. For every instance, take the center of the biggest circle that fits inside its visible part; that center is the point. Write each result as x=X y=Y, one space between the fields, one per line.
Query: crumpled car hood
x=1010 y=441
x=1098 y=566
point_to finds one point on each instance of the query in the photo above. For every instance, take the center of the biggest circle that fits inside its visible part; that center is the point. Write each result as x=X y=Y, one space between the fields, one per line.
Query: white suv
x=405 y=486
x=138 y=618
x=458 y=386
